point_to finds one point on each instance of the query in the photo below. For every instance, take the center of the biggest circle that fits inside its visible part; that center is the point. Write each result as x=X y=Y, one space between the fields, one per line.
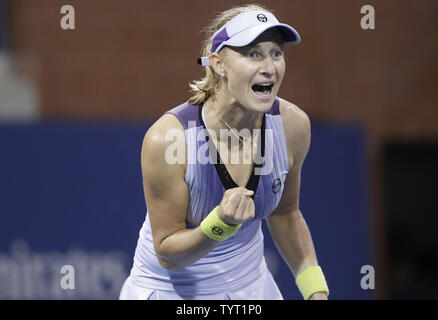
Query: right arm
x=166 y=194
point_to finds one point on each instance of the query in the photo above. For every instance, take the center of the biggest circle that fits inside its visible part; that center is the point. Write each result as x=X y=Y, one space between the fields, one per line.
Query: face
x=254 y=73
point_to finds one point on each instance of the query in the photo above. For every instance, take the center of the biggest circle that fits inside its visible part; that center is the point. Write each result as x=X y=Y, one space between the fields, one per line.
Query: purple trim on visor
x=218 y=39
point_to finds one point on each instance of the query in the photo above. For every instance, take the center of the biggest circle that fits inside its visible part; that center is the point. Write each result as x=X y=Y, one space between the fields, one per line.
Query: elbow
x=165 y=259
x=166 y=264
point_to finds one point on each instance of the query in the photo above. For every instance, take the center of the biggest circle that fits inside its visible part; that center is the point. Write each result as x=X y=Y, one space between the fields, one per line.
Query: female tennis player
x=202 y=236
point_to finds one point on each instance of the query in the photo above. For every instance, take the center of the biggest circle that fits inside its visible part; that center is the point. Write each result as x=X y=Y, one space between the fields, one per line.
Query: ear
x=217 y=62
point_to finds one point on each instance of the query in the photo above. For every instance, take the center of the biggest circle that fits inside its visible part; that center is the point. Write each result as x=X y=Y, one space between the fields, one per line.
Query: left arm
x=286 y=224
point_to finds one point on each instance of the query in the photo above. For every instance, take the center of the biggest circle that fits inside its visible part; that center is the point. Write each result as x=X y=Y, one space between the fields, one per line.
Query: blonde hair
x=209 y=84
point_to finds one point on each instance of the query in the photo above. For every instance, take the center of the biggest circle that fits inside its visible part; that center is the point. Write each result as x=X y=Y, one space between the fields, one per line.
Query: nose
x=268 y=67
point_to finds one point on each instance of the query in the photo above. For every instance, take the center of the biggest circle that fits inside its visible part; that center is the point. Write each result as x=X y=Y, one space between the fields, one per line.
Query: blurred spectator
x=18 y=96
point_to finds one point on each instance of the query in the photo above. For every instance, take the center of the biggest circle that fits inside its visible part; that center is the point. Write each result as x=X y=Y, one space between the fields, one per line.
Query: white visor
x=245 y=28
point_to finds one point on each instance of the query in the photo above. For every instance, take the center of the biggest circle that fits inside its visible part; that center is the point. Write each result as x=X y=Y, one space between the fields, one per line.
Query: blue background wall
x=71 y=194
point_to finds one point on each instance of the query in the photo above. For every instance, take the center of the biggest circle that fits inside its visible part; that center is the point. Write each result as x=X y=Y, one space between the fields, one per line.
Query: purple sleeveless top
x=238 y=260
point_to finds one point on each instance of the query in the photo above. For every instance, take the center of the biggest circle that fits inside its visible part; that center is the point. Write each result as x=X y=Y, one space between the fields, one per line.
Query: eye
x=252 y=54
x=277 y=54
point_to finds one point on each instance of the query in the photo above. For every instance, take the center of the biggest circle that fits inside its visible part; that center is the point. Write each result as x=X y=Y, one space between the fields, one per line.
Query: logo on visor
x=262 y=18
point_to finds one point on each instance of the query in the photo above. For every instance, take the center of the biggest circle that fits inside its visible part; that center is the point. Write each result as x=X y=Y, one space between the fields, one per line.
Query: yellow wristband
x=215 y=228
x=310 y=281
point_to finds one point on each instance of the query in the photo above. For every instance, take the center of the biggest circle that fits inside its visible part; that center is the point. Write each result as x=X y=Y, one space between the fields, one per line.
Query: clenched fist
x=236 y=206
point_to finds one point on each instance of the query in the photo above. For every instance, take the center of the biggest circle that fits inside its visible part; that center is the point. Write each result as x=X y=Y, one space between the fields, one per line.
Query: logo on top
x=262 y=18
x=276 y=186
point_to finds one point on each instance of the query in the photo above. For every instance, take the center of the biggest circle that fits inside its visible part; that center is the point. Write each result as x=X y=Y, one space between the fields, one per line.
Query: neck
x=221 y=114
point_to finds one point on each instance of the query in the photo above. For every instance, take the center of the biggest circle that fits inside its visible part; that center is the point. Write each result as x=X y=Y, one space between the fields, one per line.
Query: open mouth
x=263 y=90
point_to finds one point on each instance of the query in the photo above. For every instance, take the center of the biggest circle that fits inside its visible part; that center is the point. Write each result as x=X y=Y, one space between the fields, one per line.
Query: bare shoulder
x=162 y=144
x=164 y=127
x=296 y=126
x=296 y=120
